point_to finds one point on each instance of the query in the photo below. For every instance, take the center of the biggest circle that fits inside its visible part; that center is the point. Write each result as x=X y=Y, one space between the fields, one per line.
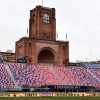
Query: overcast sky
x=80 y=19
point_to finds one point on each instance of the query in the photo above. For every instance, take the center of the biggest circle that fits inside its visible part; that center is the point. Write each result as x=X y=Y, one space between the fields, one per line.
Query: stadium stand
x=5 y=79
x=96 y=72
x=38 y=75
x=91 y=65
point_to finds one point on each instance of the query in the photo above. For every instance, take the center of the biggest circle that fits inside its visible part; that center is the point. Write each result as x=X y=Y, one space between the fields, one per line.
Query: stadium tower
x=41 y=46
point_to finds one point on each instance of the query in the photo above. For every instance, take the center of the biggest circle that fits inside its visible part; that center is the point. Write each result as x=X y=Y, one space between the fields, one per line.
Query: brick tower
x=42 y=23
x=41 y=45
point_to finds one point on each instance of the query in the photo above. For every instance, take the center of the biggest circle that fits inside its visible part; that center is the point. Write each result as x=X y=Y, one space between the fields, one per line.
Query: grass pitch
x=50 y=98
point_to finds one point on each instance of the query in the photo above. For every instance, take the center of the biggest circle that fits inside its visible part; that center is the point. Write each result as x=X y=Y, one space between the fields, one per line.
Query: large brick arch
x=46 y=55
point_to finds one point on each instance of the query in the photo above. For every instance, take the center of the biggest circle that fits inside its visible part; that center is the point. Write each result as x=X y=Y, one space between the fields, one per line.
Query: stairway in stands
x=9 y=71
x=89 y=71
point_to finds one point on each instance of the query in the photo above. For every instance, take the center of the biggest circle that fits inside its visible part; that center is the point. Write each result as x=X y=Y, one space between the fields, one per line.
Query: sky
x=80 y=19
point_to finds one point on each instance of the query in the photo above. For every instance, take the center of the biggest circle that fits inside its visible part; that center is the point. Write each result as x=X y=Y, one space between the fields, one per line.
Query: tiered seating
x=94 y=68
x=75 y=76
x=65 y=75
x=91 y=65
x=56 y=75
x=37 y=75
x=26 y=75
x=96 y=72
x=83 y=77
x=5 y=79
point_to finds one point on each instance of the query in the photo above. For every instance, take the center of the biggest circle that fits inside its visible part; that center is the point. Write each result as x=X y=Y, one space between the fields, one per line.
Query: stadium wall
x=42 y=94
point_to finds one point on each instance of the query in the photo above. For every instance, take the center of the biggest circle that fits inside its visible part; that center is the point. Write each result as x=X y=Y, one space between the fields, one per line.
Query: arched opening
x=46 y=56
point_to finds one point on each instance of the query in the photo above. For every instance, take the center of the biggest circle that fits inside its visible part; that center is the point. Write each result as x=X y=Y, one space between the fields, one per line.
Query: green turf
x=51 y=98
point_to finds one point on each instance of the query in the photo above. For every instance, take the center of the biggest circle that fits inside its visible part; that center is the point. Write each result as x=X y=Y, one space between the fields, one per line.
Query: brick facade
x=41 y=46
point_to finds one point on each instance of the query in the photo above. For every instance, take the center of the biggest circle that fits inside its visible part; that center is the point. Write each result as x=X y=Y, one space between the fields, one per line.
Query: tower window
x=46 y=18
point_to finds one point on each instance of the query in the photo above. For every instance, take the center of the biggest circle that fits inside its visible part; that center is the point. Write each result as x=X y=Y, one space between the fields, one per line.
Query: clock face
x=46 y=18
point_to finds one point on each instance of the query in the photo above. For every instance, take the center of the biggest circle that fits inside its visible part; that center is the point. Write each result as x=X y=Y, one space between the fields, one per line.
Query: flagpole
x=66 y=36
x=27 y=30
x=42 y=2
